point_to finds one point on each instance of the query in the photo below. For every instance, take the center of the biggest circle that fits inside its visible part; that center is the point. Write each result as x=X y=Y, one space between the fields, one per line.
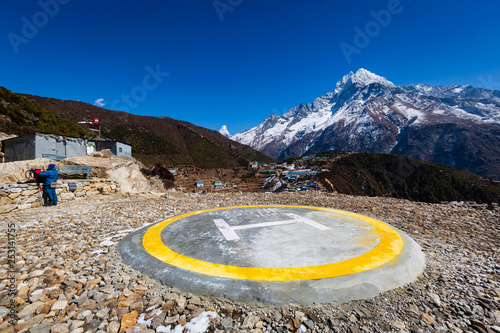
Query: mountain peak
x=223 y=130
x=366 y=112
x=363 y=77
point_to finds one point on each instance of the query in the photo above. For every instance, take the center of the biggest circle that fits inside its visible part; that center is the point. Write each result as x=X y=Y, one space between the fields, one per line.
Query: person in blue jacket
x=48 y=177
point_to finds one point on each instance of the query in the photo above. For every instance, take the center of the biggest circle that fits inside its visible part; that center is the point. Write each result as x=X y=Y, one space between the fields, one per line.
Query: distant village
x=292 y=176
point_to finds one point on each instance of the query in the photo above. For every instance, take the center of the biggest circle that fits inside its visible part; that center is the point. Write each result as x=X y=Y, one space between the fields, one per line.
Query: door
x=90 y=149
x=61 y=149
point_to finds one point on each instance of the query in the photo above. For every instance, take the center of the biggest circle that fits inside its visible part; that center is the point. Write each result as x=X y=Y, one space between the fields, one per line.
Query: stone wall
x=14 y=196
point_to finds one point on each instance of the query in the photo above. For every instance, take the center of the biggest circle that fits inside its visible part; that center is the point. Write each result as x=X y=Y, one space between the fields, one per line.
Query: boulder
x=66 y=196
x=13 y=172
x=126 y=170
x=7 y=208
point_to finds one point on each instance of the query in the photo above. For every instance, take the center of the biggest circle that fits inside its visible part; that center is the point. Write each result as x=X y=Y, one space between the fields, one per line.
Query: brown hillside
x=159 y=139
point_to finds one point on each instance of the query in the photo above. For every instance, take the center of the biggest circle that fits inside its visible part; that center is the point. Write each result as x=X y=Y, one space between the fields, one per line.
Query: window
x=120 y=149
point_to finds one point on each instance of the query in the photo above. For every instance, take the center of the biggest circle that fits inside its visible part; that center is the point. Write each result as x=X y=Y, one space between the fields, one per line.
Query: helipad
x=275 y=254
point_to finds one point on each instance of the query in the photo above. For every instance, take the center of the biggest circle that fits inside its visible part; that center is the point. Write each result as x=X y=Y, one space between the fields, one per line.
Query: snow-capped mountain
x=223 y=130
x=457 y=125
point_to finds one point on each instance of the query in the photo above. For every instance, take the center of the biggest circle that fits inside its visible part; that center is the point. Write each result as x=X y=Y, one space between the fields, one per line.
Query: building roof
x=109 y=140
x=51 y=135
x=65 y=137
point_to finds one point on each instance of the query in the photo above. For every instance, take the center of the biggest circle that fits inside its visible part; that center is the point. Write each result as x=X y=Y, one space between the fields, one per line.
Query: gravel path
x=69 y=278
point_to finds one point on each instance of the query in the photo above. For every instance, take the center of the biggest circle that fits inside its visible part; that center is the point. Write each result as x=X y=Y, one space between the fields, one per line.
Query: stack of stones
x=14 y=196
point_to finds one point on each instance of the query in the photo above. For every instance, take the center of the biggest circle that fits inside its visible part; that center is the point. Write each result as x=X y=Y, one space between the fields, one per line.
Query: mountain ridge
x=367 y=113
x=155 y=140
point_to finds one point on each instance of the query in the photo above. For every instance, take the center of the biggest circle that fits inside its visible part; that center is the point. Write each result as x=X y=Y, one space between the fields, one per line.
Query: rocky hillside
x=457 y=125
x=159 y=139
x=406 y=178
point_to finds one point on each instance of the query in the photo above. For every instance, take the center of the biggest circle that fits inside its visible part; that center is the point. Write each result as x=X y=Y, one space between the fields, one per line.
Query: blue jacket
x=49 y=176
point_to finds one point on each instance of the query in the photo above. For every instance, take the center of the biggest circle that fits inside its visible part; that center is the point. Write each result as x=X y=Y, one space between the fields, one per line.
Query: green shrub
x=408 y=178
x=22 y=116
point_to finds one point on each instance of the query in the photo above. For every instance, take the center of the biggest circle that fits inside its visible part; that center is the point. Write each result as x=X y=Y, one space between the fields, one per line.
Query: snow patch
x=29 y=224
x=196 y=325
x=148 y=322
x=152 y=308
x=107 y=242
x=223 y=130
x=362 y=77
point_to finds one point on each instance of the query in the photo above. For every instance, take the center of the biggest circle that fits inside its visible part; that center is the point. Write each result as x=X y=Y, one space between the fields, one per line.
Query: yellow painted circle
x=391 y=244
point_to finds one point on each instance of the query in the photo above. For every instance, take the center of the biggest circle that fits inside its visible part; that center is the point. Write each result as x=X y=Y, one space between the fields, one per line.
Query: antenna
x=94 y=122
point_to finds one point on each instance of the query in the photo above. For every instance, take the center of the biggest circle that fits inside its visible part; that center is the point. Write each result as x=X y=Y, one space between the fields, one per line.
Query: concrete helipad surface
x=275 y=254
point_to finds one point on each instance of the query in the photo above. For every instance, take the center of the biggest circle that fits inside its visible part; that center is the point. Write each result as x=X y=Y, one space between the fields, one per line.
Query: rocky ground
x=69 y=278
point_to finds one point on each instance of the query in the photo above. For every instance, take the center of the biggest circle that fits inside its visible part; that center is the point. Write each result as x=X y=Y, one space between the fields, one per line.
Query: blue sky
x=235 y=62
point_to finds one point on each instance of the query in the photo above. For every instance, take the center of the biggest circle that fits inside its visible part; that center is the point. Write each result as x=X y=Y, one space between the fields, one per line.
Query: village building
x=56 y=147
x=117 y=148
